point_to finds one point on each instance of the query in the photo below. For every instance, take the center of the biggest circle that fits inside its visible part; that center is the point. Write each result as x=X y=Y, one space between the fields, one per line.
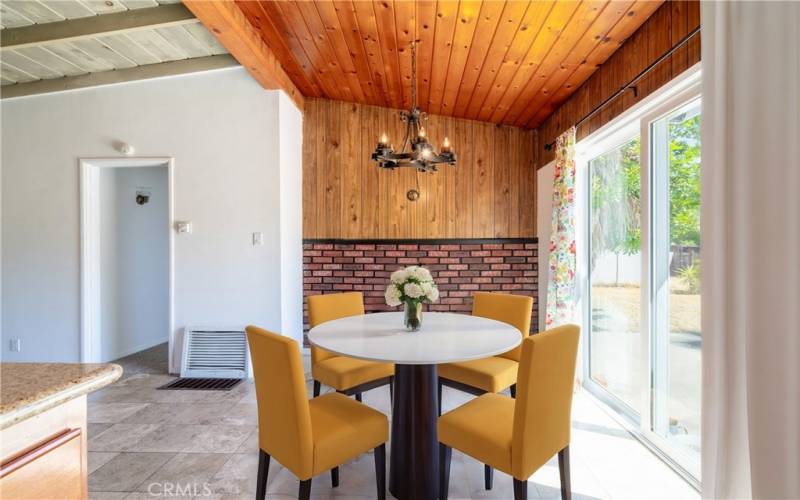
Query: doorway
x=126 y=257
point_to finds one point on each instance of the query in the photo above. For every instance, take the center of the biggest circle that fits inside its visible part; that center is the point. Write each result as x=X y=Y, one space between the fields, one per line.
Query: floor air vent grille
x=214 y=353
x=202 y=384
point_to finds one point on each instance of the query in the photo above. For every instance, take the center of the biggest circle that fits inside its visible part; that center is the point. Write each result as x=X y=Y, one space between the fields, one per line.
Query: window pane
x=615 y=273
x=685 y=340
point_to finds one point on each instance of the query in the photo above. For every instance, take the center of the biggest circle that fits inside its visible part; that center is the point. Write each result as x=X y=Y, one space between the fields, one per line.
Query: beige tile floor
x=146 y=444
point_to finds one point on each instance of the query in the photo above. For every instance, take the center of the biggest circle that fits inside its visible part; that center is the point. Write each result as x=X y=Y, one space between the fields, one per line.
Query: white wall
x=224 y=132
x=291 y=187
x=618 y=269
x=134 y=260
x=544 y=214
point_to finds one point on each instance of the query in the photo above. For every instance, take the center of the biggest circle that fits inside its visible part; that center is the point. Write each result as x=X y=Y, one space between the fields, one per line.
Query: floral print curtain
x=561 y=283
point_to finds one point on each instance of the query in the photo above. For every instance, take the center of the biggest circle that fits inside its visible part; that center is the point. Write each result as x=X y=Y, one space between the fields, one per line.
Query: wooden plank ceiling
x=495 y=61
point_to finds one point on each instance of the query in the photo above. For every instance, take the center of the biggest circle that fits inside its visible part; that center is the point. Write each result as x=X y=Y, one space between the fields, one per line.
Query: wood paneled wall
x=490 y=193
x=668 y=25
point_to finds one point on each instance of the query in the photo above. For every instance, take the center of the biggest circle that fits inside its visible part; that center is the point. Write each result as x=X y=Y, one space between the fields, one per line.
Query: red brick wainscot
x=459 y=267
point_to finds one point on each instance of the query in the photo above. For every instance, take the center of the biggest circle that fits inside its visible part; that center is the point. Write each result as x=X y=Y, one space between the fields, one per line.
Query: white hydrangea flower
x=426 y=287
x=392 y=296
x=399 y=276
x=414 y=272
x=413 y=290
x=423 y=274
x=433 y=295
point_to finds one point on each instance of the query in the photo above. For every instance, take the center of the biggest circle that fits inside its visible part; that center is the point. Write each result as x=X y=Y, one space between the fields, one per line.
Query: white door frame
x=90 y=248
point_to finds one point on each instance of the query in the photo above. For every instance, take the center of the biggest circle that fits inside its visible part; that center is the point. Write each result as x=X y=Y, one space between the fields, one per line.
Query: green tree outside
x=616 y=192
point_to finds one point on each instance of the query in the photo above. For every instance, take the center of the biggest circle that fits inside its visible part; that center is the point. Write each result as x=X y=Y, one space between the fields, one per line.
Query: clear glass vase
x=413 y=316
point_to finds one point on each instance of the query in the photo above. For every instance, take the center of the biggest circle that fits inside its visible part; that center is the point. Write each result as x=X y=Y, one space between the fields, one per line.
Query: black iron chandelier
x=416 y=151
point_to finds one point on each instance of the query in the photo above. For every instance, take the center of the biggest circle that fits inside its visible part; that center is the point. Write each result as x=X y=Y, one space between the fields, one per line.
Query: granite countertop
x=27 y=389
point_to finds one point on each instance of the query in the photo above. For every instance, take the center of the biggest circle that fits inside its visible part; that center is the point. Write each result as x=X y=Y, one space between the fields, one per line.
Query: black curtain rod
x=631 y=85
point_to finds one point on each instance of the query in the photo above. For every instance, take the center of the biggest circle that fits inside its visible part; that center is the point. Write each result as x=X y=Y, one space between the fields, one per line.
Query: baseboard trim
x=134 y=350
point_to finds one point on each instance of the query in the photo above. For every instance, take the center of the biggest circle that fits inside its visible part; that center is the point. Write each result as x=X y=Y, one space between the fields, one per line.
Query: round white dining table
x=443 y=338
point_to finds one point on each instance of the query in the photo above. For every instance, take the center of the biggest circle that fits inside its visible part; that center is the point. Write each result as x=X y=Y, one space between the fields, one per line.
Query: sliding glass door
x=615 y=264
x=675 y=289
x=642 y=256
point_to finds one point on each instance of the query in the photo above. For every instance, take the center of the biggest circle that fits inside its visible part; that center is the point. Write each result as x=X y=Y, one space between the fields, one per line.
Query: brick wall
x=459 y=267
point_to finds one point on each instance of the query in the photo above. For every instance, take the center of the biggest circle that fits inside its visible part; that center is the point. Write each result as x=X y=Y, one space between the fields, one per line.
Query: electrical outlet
x=15 y=344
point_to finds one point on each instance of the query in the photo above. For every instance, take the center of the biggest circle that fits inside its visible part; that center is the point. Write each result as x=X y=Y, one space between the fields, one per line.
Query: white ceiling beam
x=162 y=16
x=233 y=30
x=118 y=76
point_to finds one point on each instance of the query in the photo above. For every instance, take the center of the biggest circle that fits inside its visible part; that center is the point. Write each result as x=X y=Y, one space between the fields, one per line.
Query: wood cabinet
x=44 y=457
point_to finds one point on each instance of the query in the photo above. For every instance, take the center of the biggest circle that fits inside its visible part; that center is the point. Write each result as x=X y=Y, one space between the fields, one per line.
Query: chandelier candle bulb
x=446 y=145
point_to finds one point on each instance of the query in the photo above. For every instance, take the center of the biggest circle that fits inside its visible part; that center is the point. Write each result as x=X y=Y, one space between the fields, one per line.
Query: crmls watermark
x=169 y=489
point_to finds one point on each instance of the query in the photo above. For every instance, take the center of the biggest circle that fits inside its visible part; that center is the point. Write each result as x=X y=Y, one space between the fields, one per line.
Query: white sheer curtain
x=751 y=249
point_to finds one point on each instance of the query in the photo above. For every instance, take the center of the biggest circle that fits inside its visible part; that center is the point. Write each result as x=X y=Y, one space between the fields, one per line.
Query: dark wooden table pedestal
x=414 y=464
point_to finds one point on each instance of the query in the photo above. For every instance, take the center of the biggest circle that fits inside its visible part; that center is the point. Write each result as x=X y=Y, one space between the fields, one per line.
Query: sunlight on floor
x=142 y=440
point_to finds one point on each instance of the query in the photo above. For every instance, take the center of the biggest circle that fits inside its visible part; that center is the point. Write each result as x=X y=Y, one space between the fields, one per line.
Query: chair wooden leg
x=335 y=477
x=358 y=397
x=488 y=477
x=380 y=470
x=445 y=453
x=391 y=392
x=520 y=489
x=513 y=390
x=317 y=387
x=305 y=490
x=440 y=397
x=563 y=469
x=263 y=472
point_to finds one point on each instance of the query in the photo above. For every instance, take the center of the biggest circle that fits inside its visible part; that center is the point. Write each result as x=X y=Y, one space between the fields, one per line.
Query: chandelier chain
x=414 y=61
x=414 y=74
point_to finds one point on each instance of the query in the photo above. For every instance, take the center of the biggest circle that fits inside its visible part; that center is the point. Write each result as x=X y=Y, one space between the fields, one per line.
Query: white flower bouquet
x=412 y=287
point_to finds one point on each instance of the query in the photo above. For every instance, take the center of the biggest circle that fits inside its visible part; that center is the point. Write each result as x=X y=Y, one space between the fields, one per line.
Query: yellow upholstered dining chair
x=307 y=437
x=495 y=373
x=519 y=436
x=346 y=375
